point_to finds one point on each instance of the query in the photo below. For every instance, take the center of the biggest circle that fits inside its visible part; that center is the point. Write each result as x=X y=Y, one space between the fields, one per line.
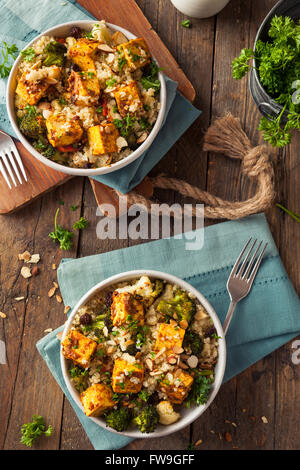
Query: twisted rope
x=225 y=136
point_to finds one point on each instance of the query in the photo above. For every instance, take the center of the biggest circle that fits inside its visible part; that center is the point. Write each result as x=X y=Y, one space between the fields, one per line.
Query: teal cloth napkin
x=265 y=320
x=21 y=21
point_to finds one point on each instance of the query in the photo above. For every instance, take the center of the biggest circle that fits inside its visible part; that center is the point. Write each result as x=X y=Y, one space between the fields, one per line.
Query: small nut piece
x=51 y=292
x=172 y=359
x=183 y=324
x=192 y=362
x=149 y=363
x=67 y=308
x=25 y=272
x=177 y=349
x=2 y=315
x=35 y=271
x=24 y=256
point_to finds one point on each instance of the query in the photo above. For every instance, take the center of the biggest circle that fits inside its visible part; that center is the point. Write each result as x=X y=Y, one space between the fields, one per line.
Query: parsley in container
x=275 y=72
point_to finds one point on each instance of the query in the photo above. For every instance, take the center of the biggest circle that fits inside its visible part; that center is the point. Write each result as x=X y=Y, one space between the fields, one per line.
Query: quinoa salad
x=87 y=100
x=139 y=351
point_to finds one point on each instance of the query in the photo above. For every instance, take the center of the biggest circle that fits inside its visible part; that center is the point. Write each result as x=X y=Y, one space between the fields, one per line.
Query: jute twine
x=225 y=136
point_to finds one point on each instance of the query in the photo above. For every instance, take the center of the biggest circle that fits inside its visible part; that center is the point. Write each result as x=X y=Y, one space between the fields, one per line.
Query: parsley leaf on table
x=186 y=23
x=62 y=236
x=80 y=224
x=292 y=214
x=31 y=431
x=8 y=53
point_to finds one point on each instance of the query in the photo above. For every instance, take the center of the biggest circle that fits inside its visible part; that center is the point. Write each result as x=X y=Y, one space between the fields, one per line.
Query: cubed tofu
x=125 y=308
x=84 y=88
x=136 y=53
x=62 y=132
x=127 y=377
x=97 y=399
x=82 y=53
x=178 y=390
x=169 y=335
x=103 y=138
x=128 y=99
x=78 y=348
x=33 y=85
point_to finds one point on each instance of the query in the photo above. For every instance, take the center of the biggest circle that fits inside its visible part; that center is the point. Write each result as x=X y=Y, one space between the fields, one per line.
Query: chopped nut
x=244 y=410
x=55 y=284
x=34 y=259
x=183 y=324
x=177 y=349
x=172 y=359
x=25 y=272
x=234 y=425
x=160 y=352
x=200 y=315
x=155 y=372
x=48 y=330
x=192 y=362
x=53 y=266
x=24 y=256
x=198 y=443
x=35 y=271
x=67 y=308
x=182 y=365
x=105 y=48
x=110 y=350
x=2 y=315
x=51 y=292
x=228 y=437
x=264 y=420
x=149 y=363
x=19 y=298
x=58 y=298
x=142 y=138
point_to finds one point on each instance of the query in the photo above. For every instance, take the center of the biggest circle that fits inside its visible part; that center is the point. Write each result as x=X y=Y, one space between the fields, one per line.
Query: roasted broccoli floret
x=193 y=341
x=55 y=54
x=118 y=419
x=181 y=307
x=158 y=287
x=132 y=349
x=79 y=377
x=147 y=419
x=32 y=125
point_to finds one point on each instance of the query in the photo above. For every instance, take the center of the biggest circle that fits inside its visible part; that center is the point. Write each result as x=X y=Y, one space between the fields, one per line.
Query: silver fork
x=241 y=277
x=10 y=161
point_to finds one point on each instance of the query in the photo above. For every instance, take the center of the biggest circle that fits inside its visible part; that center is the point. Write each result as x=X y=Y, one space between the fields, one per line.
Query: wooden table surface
x=269 y=388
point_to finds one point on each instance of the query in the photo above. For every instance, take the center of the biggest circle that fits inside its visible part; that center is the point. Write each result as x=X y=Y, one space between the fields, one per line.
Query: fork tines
x=246 y=269
x=10 y=166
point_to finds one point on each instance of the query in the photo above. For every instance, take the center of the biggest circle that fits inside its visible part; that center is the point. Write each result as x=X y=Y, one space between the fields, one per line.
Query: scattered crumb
x=2 y=315
x=25 y=272
x=51 y=292
x=212 y=431
x=228 y=437
x=24 y=256
x=234 y=425
x=53 y=266
x=264 y=420
x=198 y=443
x=252 y=418
x=48 y=330
x=244 y=410
x=58 y=298
x=227 y=421
x=220 y=436
x=19 y=298
x=55 y=284
x=67 y=308
x=34 y=259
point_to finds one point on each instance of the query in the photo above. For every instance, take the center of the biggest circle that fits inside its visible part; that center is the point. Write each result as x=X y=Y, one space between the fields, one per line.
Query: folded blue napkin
x=265 y=320
x=21 y=21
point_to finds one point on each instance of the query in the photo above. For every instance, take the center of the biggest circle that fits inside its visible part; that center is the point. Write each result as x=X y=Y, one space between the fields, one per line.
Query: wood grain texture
x=269 y=388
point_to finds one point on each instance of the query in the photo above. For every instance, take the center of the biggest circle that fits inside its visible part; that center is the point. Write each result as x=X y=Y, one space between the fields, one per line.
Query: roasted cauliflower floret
x=62 y=131
x=167 y=415
x=103 y=138
x=125 y=308
x=97 y=399
x=128 y=99
x=169 y=335
x=178 y=390
x=78 y=348
x=127 y=377
x=84 y=88
x=33 y=85
x=135 y=52
x=82 y=53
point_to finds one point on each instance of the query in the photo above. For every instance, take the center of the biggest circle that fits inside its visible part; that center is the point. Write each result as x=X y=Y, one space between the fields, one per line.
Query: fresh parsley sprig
x=62 y=236
x=31 y=431
x=8 y=53
x=80 y=224
x=28 y=54
x=290 y=213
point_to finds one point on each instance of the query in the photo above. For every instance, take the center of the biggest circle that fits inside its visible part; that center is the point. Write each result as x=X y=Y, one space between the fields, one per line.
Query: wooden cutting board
x=41 y=178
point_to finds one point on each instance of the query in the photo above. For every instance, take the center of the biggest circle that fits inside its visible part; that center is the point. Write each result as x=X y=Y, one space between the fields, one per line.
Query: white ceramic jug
x=200 y=8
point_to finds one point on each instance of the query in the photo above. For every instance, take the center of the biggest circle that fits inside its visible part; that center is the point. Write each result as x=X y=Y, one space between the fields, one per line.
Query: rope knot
x=256 y=161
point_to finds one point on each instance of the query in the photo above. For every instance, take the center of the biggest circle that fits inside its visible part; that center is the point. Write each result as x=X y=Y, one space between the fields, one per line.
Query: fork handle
x=229 y=316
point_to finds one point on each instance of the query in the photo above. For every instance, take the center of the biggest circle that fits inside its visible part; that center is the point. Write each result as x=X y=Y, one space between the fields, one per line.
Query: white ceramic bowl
x=63 y=30
x=188 y=415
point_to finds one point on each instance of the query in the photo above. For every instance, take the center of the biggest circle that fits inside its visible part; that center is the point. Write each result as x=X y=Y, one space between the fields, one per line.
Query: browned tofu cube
x=178 y=390
x=33 y=86
x=103 y=138
x=169 y=335
x=62 y=132
x=127 y=377
x=128 y=99
x=84 y=88
x=136 y=53
x=78 y=348
x=125 y=308
x=96 y=399
x=82 y=53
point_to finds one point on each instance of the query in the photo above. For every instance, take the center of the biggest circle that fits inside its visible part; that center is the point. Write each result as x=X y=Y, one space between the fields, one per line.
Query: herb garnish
x=80 y=224
x=151 y=79
x=186 y=23
x=291 y=213
x=28 y=54
x=31 y=431
x=62 y=236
